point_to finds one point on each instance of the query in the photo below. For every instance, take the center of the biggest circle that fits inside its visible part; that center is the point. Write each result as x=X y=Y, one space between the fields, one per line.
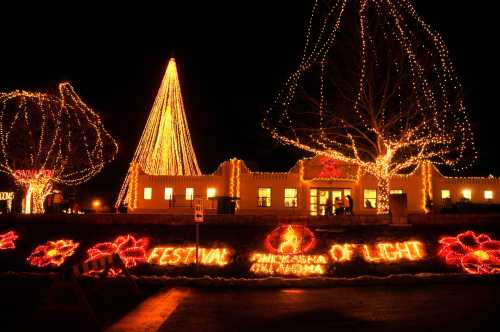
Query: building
x=303 y=190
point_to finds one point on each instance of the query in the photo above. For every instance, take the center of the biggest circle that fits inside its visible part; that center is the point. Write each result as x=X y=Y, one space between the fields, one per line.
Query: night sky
x=233 y=57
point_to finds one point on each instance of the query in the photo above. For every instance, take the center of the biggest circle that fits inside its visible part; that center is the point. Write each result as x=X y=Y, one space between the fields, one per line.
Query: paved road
x=437 y=307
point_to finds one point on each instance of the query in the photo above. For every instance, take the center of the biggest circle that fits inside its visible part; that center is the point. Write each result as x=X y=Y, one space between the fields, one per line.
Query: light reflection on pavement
x=438 y=307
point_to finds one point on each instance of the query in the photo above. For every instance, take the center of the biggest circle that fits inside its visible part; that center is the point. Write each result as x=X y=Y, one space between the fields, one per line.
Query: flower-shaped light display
x=131 y=251
x=476 y=254
x=7 y=240
x=52 y=253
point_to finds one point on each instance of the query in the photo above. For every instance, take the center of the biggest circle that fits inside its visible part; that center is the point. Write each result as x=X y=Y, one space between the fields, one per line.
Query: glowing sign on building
x=287 y=246
x=176 y=256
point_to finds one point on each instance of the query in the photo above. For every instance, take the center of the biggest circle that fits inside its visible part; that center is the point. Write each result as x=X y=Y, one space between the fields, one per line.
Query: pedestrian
x=350 y=202
x=329 y=207
x=339 y=206
x=346 y=205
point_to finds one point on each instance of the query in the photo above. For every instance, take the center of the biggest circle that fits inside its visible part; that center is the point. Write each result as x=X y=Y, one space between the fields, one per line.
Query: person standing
x=329 y=207
x=350 y=204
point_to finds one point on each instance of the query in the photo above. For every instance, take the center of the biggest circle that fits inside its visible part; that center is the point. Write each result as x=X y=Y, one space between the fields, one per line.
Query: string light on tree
x=375 y=87
x=165 y=146
x=47 y=139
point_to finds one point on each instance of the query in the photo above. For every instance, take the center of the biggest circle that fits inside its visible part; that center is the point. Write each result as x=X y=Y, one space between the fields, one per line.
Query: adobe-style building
x=302 y=191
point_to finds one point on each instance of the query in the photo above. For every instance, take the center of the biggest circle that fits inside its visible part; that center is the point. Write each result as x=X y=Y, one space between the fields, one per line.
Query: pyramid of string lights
x=375 y=87
x=51 y=138
x=165 y=146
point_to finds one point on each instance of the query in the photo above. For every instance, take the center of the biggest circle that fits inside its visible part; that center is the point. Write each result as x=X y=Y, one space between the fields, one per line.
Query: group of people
x=343 y=206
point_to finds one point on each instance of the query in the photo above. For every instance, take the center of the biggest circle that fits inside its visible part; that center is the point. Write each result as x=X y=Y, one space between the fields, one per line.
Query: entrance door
x=324 y=194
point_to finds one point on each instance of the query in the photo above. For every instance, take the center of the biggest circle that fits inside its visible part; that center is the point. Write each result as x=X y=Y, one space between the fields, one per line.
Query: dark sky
x=232 y=56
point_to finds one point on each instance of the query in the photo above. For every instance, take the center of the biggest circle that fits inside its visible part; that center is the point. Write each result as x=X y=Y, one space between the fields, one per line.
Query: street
x=438 y=307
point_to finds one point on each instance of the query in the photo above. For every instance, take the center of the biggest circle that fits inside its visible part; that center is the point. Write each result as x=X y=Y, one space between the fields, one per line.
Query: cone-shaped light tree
x=165 y=146
x=47 y=139
x=374 y=87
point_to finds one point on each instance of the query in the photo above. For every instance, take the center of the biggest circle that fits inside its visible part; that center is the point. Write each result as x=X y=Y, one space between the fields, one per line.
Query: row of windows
x=370 y=196
x=169 y=193
x=290 y=195
x=467 y=194
x=264 y=197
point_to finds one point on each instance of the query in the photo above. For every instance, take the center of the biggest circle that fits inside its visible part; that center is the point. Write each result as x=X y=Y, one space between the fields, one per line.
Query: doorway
x=319 y=198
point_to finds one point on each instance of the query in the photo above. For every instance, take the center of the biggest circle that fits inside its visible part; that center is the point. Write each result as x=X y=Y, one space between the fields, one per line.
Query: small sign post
x=198 y=218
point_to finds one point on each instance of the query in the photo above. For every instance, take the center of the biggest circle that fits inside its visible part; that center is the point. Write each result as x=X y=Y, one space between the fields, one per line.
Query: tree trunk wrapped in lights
x=47 y=139
x=374 y=87
x=165 y=146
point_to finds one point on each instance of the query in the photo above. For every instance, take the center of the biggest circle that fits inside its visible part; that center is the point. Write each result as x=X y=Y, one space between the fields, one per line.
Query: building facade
x=305 y=190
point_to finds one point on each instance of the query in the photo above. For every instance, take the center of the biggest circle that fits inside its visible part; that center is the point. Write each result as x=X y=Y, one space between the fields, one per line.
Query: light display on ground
x=389 y=104
x=288 y=245
x=53 y=253
x=382 y=252
x=165 y=146
x=48 y=139
x=475 y=254
x=131 y=251
x=176 y=256
x=7 y=240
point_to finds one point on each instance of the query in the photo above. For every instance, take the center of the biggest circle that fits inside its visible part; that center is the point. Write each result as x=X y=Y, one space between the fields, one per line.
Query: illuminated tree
x=165 y=146
x=375 y=87
x=47 y=139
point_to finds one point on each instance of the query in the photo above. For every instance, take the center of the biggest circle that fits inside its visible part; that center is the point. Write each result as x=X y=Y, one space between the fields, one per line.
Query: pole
x=197 y=245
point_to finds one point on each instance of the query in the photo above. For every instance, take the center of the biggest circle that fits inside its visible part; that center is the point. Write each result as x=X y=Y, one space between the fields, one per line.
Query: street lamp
x=96 y=204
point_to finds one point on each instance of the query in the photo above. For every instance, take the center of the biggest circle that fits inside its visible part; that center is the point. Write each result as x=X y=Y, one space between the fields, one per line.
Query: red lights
x=329 y=169
x=131 y=251
x=475 y=254
x=52 y=253
x=290 y=240
x=7 y=240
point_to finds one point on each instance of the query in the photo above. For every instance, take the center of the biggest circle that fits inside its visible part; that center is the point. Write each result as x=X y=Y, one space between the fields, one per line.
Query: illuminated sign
x=52 y=253
x=475 y=254
x=382 y=252
x=7 y=240
x=187 y=255
x=299 y=265
x=287 y=245
x=131 y=251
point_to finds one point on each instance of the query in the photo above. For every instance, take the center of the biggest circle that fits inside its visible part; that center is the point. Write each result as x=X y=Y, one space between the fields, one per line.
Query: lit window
x=488 y=194
x=211 y=192
x=189 y=194
x=313 y=202
x=370 y=198
x=396 y=191
x=445 y=194
x=148 y=193
x=467 y=194
x=347 y=192
x=290 y=197
x=169 y=193
x=264 y=197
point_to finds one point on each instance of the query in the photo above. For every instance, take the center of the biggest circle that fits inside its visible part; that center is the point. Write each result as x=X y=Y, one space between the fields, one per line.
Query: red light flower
x=7 y=240
x=476 y=254
x=52 y=253
x=130 y=250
